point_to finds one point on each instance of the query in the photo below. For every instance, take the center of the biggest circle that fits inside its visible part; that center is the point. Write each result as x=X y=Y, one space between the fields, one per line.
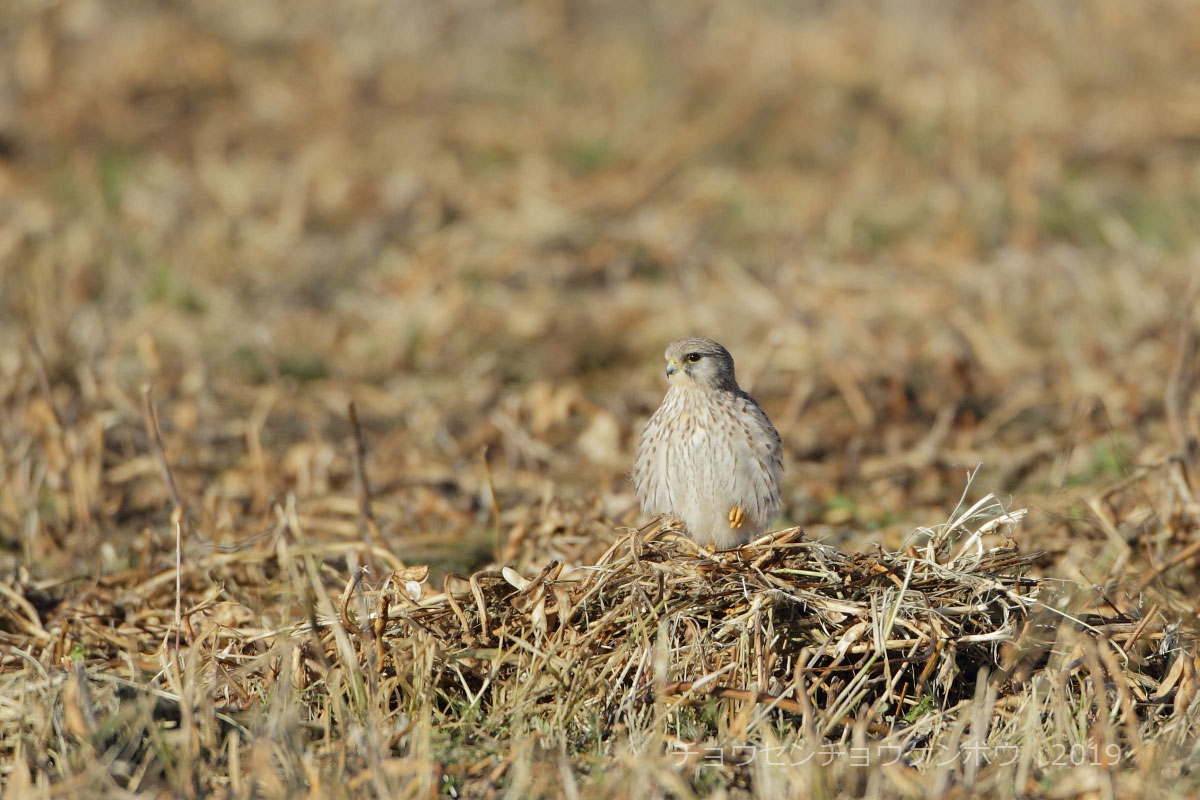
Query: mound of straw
x=784 y=623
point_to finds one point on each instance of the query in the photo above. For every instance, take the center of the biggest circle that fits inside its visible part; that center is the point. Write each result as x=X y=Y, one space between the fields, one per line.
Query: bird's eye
x=693 y=357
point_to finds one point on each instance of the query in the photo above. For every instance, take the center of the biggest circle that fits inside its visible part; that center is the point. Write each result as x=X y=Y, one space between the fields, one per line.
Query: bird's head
x=700 y=363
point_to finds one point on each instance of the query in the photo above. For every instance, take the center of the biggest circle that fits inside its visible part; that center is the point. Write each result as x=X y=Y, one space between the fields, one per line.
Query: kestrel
x=709 y=456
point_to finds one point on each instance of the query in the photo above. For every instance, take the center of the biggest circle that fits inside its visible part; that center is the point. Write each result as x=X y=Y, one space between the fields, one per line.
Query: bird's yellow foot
x=736 y=517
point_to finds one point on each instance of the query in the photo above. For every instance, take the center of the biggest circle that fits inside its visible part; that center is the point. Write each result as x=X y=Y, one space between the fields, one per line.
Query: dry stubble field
x=953 y=248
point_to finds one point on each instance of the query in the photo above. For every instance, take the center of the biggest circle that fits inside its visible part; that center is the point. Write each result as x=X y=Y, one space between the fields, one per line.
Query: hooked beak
x=672 y=368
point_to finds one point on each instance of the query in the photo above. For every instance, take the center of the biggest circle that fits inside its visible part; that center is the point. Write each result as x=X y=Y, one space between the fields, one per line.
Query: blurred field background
x=934 y=236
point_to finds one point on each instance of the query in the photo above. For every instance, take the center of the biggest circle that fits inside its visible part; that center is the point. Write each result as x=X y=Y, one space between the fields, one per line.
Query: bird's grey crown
x=681 y=348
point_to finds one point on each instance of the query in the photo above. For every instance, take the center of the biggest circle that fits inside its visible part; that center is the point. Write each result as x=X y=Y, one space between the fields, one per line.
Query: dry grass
x=398 y=276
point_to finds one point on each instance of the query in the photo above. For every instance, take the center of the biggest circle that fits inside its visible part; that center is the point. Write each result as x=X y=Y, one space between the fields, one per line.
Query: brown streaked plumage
x=709 y=456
